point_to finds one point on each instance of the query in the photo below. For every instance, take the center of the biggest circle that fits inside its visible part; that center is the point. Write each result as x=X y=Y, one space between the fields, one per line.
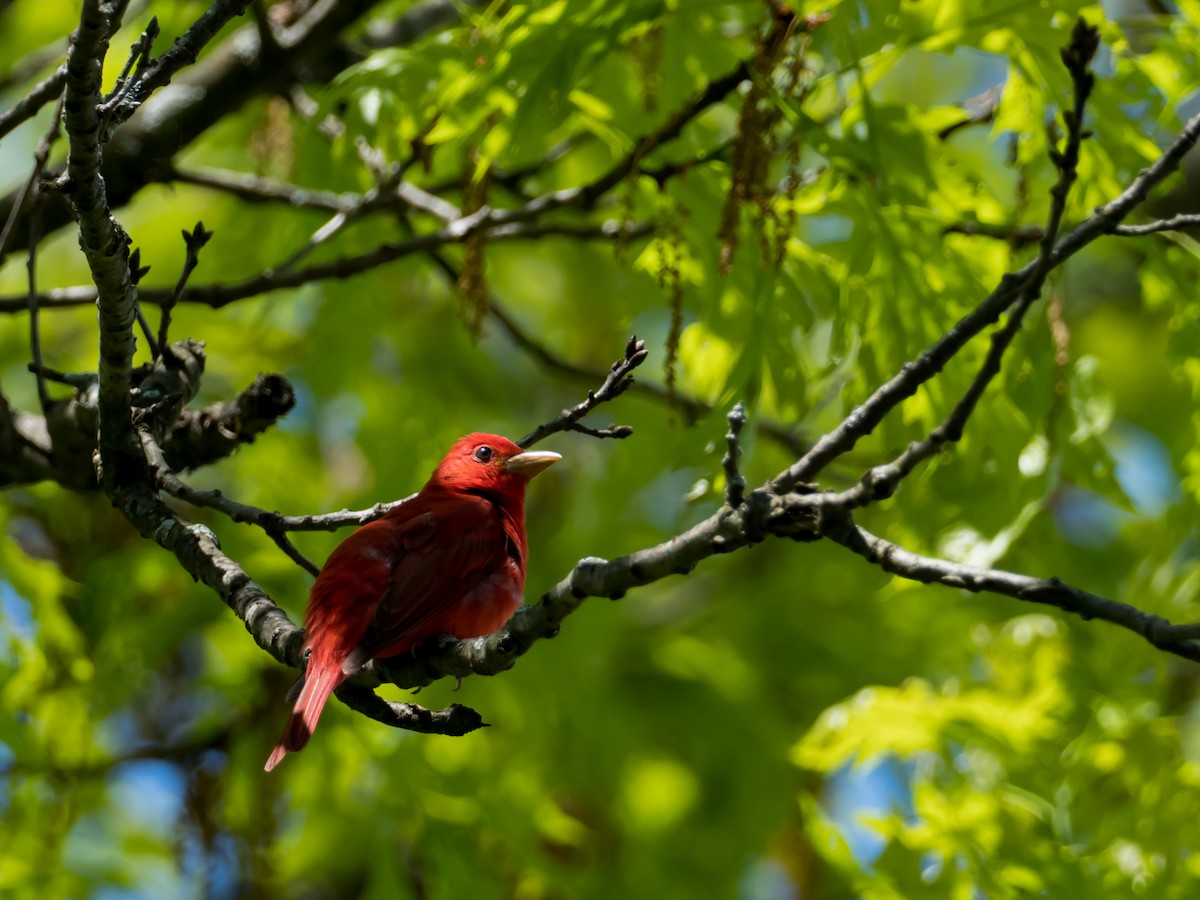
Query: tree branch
x=863 y=420
x=455 y=720
x=103 y=242
x=198 y=552
x=182 y=53
x=139 y=56
x=1181 y=640
x=200 y=437
x=230 y=76
x=219 y=295
x=881 y=481
x=495 y=224
x=1174 y=223
x=27 y=107
x=260 y=189
x=168 y=481
x=764 y=513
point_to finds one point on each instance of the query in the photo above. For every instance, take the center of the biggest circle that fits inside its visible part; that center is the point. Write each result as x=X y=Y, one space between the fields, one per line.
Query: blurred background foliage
x=786 y=722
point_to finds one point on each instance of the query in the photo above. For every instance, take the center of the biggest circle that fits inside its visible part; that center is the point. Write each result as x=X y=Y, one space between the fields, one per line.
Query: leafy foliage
x=692 y=740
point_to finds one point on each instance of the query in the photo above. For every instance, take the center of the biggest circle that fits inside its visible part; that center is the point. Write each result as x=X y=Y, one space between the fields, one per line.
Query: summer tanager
x=449 y=561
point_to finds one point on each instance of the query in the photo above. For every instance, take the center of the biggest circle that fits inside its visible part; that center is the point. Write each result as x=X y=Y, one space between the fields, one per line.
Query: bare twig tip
x=616 y=383
x=735 y=483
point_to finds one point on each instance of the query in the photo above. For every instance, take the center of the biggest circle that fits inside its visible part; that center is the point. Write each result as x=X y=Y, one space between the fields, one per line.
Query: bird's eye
x=483 y=454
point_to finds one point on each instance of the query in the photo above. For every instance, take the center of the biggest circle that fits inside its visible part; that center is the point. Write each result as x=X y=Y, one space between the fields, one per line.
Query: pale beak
x=530 y=462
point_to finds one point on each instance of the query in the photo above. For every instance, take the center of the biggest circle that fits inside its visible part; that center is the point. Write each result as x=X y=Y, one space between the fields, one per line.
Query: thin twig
x=194 y=241
x=27 y=107
x=183 y=52
x=270 y=50
x=618 y=380
x=735 y=482
x=136 y=273
x=386 y=180
x=260 y=189
x=980 y=110
x=168 y=481
x=147 y=331
x=334 y=520
x=1017 y=236
x=32 y=63
x=41 y=154
x=72 y=379
x=35 y=340
x=139 y=54
x=1173 y=223
x=692 y=407
x=1077 y=57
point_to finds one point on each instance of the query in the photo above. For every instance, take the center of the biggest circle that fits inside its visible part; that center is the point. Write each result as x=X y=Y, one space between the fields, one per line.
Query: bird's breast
x=487 y=606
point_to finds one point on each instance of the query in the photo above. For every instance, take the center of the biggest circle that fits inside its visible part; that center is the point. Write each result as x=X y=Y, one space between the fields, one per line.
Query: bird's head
x=489 y=462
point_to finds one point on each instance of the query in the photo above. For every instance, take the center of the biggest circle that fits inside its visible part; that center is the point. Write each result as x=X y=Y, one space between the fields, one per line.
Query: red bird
x=449 y=561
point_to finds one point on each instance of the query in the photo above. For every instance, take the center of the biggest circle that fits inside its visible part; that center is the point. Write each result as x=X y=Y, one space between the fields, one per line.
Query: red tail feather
x=319 y=683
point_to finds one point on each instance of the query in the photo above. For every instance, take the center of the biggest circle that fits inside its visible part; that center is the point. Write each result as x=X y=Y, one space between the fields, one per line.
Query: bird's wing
x=461 y=542
x=357 y=573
